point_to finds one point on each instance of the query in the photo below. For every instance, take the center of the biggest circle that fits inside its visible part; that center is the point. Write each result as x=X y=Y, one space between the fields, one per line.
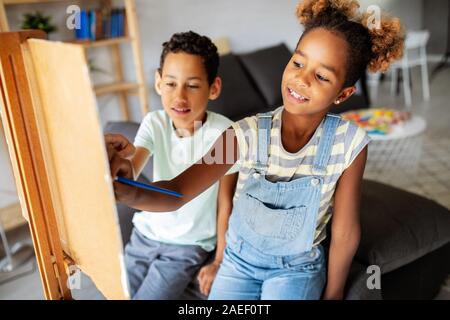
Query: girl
x=299 y=164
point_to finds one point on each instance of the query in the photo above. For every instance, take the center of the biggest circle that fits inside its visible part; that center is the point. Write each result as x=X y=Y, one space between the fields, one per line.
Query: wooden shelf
x=120 y=87
x=102 y=42
x=104 y=89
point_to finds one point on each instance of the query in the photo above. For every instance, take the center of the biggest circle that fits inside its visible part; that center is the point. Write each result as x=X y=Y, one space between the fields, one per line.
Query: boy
x=167 y=249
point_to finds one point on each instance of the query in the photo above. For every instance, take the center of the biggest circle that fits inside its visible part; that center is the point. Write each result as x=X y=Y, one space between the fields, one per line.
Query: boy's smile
x=185 y=90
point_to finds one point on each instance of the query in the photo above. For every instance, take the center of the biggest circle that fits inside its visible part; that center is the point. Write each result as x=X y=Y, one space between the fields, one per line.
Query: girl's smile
x=297 y=97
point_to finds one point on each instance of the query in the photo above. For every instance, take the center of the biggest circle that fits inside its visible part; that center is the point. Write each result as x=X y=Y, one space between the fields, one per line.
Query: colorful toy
x=376 y=120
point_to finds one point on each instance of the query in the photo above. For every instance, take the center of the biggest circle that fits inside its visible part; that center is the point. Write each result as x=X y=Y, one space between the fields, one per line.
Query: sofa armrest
x=356 y=287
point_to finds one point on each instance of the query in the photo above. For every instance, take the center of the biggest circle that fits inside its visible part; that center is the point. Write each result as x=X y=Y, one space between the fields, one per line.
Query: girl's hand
x=206 y=276
x=123 y=168
x=117 y=143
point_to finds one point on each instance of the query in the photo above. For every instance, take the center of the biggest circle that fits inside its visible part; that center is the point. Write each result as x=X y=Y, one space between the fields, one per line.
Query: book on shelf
x=97 y=24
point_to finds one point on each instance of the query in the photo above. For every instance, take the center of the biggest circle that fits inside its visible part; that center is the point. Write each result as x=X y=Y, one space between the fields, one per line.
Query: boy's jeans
x=160 y=271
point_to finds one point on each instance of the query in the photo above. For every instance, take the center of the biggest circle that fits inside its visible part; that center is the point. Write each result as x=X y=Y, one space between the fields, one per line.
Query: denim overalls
x=270 y=252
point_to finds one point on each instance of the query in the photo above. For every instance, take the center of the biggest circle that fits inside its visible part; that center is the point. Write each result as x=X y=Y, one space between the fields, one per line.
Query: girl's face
x=314 y=77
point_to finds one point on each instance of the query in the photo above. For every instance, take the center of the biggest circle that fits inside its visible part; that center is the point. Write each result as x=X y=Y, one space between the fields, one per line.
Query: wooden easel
x=19 y=121
x=39 y=165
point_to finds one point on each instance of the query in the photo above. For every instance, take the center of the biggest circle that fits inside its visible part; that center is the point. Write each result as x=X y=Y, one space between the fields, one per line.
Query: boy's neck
x=189 y=130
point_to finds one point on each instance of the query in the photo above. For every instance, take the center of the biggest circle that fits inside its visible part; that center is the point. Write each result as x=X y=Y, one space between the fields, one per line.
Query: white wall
x=409 y=11
x=249 y=24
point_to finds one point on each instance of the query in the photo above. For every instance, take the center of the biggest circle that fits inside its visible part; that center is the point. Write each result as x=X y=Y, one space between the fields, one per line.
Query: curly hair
x=193 y=43
x=369 y=48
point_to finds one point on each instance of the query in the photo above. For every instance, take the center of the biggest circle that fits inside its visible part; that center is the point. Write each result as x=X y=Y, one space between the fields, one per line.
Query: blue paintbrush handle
x=147 y=186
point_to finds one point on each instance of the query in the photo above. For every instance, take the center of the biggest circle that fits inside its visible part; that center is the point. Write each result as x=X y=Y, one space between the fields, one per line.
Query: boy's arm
x=227 y=186
x=139 y=160
x=345 y=228
x=117 y=143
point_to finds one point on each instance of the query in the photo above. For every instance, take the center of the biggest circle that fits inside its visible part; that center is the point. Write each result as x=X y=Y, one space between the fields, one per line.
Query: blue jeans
x=247 y=274
x=160 y=271
x=270 y=251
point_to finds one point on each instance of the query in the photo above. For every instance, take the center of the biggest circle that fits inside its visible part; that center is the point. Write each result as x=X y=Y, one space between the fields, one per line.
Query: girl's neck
x=297 y=130
x=301 y=125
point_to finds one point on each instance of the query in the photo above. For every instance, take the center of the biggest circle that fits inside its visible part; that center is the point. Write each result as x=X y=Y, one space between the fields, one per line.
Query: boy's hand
x=206 y=276
x=123 y=168
x=118 y=143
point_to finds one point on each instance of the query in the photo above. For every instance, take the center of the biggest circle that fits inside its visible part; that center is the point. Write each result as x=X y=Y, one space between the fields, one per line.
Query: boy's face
x=184 y=89
x=313 y=78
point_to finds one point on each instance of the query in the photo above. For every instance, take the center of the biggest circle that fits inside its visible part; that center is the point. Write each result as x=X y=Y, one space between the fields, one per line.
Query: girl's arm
x=227 y=187
x=192 y=182
x=224 y=207
x=345 y=228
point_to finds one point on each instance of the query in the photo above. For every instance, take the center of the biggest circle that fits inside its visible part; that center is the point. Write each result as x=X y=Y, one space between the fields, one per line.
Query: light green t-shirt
x=195 y=222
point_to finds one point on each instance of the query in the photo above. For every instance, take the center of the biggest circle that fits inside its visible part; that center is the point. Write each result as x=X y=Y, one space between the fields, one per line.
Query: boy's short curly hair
x=193 y=43
x=369 y=48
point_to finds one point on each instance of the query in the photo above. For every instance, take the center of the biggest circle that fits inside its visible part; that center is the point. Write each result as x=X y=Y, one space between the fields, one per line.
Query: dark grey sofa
x=406 y=235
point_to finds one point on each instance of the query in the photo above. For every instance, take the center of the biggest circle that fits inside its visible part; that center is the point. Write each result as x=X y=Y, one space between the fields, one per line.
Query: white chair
x=414 y=55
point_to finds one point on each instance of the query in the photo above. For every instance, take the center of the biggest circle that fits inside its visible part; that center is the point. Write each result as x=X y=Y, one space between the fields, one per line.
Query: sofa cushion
x=129 y=130
x=398 y=227
x=239 y=96
x=266 y=67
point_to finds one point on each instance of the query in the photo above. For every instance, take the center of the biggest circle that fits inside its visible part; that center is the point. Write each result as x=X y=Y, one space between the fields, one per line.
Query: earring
x=337 y=102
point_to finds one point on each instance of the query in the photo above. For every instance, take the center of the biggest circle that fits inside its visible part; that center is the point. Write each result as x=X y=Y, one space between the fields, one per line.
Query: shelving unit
x=11 y=215
x=119 y=87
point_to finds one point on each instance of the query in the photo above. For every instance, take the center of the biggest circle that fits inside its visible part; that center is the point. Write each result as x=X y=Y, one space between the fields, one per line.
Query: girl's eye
x=170 y=84
x=322 y=78
x=298 y=64
x=192 y=86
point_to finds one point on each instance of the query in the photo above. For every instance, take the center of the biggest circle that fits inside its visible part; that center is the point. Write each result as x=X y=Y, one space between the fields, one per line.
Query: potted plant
x=37 y=21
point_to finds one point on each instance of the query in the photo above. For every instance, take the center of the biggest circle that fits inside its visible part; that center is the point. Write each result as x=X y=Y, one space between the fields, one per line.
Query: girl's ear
x=215 y=89
x=345 y=94
x=158 y=82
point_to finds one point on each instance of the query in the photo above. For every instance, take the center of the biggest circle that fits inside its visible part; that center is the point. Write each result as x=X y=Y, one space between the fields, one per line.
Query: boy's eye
x=170 y=84
x=298 y=64
x=322 y=78
x=193 y=86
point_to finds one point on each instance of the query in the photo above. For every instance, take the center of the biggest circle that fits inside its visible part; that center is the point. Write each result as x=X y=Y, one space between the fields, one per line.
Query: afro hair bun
x=387 y=38
x=308 y=10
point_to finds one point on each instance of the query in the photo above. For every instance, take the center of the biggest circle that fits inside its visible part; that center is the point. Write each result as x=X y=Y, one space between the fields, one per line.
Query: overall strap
x=325 y=144
x=262 y=151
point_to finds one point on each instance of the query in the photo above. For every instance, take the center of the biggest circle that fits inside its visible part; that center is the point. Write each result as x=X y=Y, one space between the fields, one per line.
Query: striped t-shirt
x=349 y=141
